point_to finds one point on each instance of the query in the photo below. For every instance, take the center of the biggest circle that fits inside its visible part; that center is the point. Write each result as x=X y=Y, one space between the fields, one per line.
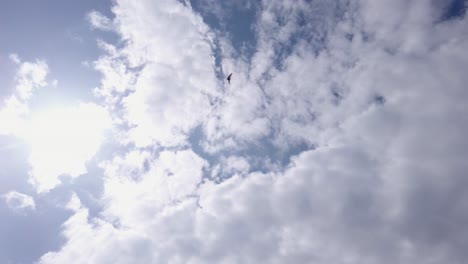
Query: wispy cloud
x=99 y=21
x=18 y=201
x=30 y=76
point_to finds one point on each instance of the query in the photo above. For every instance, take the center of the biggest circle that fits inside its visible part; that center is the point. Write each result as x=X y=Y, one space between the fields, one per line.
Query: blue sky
x=341 y=138
x=55 y=31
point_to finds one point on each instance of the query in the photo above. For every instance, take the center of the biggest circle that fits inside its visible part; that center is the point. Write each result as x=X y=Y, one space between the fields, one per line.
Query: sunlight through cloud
x=62 y=140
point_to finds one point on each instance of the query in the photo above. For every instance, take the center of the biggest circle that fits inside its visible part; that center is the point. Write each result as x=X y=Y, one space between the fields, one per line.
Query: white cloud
x=238 y=118
x=99 y=21
x=137 y=204
x=29 y=77
x=18 y=201
x=132 y=165
x=169 y=179
x=311 y=212
x=236 y=164
x=230 y=166
x=170 y=72
x=15 y=58
x=99 y=232
x=62 y=140
x=74 y=204
x=379 y=89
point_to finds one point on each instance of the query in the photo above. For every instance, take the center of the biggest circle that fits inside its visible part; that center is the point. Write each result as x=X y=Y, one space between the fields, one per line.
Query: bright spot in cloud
x=62 y=140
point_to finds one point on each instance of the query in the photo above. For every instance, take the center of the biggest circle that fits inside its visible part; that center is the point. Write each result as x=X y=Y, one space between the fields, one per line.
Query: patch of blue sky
x=233 y=20
x=454 y=9
x=26 y=235
x=260 y=155
x=7 y=68
x=265 y=152
x=57 y=32
x=14 y=170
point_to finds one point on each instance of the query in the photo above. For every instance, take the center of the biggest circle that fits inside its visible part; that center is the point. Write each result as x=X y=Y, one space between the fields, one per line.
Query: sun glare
x=62 y=140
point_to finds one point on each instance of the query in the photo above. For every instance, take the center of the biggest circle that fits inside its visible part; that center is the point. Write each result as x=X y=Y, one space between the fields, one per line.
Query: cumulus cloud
x=376 y=92
x=168 y=179
x=137 y=204
x=162 y=81
x=18 y=201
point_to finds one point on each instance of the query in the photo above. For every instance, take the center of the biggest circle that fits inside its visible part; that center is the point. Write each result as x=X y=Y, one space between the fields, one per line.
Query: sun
x=62 y=140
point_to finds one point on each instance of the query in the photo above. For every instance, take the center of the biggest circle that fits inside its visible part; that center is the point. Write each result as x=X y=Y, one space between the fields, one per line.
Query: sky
x=341 y=137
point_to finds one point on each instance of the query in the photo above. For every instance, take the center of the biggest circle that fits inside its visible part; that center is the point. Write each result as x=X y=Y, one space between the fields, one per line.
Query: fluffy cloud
x=29 y=77
x=168 y=179
x=377 y=88
x=62 y=140
x=137 y=205
x=169 y=60
x=18 y=201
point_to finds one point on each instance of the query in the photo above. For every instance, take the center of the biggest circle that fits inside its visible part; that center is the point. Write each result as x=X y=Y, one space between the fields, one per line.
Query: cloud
x=170 y=179
x=15 y=58
x=230 y=166
x=19 y=201
x=62 y=140
x=376 y=92
x=74 y=204
x=99 y=21
x=170 y=82
x=30 y=76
